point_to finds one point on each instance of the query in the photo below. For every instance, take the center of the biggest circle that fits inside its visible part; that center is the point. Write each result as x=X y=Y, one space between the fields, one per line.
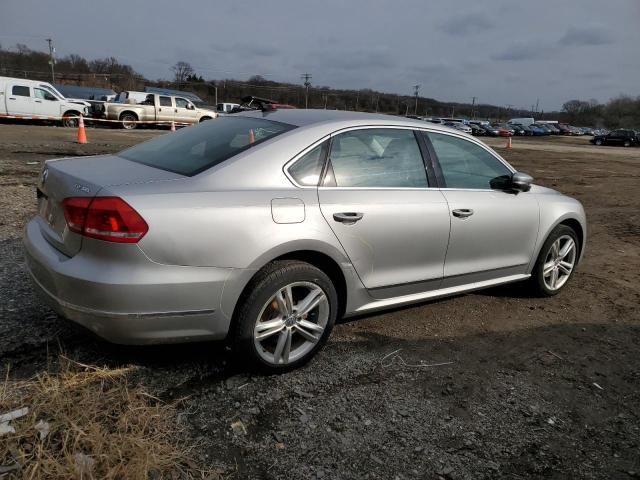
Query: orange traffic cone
x=173 y=126
x=82 y=135
x=252 y=136
x=509 y=143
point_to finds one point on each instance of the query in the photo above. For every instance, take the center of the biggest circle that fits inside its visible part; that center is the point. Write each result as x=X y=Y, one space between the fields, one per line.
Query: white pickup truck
x=35 y=100
x=158 y=109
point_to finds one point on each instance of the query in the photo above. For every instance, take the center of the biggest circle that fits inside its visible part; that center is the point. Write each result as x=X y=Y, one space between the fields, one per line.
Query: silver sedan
x=263 y=228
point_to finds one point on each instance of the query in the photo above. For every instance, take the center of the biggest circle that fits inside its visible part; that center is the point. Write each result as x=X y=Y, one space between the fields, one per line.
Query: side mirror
x=190 y=106
x=521 y=182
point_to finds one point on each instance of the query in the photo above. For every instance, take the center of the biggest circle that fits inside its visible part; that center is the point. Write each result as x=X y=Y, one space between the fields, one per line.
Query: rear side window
x=20 y=90
x=192 y=150
x=308 y=168
x=465 y=164
x=376 y=158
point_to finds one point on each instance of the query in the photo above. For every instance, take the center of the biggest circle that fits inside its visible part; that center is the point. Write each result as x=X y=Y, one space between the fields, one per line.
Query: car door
x=493 y=231
x=20 y=101
x=185 y=111
x=166 y=109
x=45 y=104
x=376 y=197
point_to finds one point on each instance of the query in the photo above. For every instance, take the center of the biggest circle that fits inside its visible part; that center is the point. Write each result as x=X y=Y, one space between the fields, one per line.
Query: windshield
x=193 y=150
x=53 y=91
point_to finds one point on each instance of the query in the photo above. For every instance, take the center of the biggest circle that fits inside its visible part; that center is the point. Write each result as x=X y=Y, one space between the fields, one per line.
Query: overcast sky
x=505 y=52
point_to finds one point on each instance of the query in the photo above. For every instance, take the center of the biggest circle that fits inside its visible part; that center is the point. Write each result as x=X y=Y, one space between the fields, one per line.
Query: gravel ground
x=494 y=384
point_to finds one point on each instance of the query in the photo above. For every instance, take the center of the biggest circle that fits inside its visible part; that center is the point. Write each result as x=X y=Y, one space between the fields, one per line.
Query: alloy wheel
x=291 y=323
x=559 y=262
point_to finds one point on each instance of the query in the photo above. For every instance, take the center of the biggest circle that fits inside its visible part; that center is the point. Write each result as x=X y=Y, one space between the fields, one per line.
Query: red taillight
x=105 y=218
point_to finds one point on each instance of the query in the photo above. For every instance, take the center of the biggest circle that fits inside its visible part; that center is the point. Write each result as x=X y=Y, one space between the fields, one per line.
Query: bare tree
x=182 y=70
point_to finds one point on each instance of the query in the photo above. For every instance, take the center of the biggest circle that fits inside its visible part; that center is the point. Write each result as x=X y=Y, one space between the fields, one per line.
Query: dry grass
x=101 y=427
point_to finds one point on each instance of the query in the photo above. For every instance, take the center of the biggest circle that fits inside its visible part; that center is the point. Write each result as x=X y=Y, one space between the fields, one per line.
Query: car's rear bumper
x=125 y=297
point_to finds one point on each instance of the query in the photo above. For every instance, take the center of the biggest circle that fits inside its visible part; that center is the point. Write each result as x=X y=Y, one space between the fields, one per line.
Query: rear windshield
x=190 y=151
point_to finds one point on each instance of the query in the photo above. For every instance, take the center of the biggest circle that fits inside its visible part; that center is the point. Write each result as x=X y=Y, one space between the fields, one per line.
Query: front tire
x=598 y=142
x=285 y=316
x=71 y=120
x=556 y=262
x=627 y=143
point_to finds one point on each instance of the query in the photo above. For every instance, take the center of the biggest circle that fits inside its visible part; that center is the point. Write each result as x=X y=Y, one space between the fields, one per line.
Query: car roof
x=309 y=117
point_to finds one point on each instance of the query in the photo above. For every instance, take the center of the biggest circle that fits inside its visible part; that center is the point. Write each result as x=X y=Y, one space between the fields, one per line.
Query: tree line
x=623 y=111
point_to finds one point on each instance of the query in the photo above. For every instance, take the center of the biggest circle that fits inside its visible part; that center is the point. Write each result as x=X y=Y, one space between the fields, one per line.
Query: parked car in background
x=157 y=109
x=553 y=128
x=517 y=129
x=459 y=126
x=490 y=130
x=505 y=131
x=36 y=100
x=537 y=130
x=477 y=130
x=620 y=137
x=564 y=129
x=264 y=228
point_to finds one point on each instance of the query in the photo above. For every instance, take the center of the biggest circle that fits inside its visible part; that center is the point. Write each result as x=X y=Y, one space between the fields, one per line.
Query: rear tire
x=598 y=142
x=626 y=143
x=556 y=262
x=129 y=121
x=284 y=317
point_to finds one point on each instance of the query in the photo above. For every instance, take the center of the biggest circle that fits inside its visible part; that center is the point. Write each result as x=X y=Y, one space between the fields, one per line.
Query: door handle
x=176 y=110
x=348 y=218
x=12 y=98
x=38 y=101
x=462 y=212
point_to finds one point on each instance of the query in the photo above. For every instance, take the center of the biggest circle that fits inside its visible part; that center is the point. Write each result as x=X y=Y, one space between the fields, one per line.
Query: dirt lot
x=528 y=387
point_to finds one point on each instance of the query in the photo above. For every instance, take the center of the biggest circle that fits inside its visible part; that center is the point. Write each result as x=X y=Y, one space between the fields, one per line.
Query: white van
x=525 y=122
x=35 y=100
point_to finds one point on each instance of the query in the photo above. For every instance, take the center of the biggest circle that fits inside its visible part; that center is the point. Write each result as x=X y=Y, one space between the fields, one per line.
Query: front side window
x=376 y=158
x=308 y=168
x=20 y=90
x=181 y=103
x=465 y=164
x=192 y=150
x=165 y=101
x=43 y=94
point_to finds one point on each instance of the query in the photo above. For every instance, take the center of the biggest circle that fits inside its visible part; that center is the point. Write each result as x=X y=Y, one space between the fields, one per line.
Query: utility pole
x=537 y=105
x=416 y=91
x=51 y=60
x=509 y=106
x=473 y=108
x=307 y=83
x=377 y=100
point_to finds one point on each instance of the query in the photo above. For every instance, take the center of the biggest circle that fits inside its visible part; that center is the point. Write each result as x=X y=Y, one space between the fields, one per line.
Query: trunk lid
x=83 y=177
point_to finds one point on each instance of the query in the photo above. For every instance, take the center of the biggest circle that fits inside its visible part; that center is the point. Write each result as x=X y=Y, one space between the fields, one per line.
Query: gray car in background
x=265 y=227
